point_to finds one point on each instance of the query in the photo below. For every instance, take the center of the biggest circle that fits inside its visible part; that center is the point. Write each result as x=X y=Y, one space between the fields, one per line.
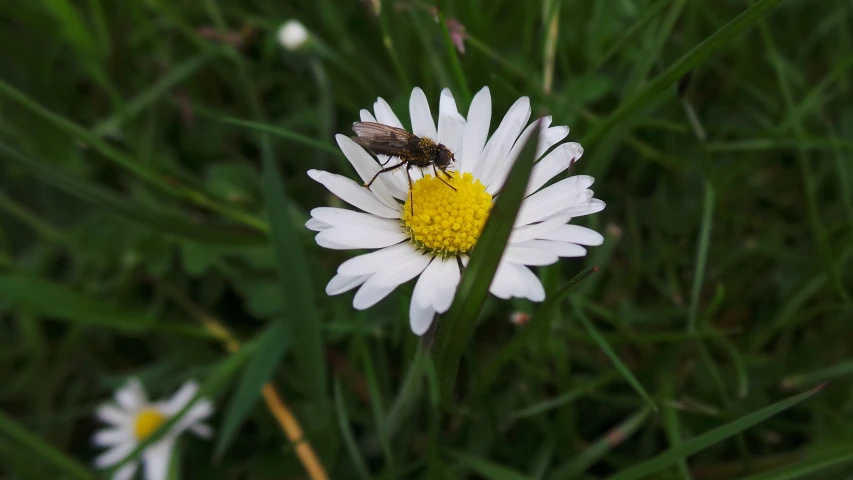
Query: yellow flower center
x=446 y=221
x=147 y=421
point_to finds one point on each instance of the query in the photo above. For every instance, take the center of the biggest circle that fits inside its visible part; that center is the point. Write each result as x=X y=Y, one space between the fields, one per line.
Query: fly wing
x=383 y=139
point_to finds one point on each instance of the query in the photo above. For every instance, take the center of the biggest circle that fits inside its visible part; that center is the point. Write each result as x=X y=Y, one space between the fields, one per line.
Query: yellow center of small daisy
x=446 y=221
x=146 y=422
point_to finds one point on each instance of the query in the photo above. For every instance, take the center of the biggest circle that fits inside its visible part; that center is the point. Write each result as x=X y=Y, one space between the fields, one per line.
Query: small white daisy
x=292 y=34
x=132 y=418
x=435 y=241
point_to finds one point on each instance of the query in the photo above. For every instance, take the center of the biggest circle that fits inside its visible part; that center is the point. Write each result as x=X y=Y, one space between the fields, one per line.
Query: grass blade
x=272 y=344
x=26 y=440
x=707 y=439
x=53 y=300
x=346 y=433
x=126 y=208
x=665 y=80
x=457 y=326
x=295 y=279
x=489 y=470
x=617 y=362
x=807 y=467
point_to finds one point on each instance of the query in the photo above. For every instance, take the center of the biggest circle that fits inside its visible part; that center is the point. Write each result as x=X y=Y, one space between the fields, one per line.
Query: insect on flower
x=410 y=149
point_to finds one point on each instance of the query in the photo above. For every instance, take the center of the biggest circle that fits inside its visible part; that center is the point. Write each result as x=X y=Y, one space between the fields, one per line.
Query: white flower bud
x=292 y=35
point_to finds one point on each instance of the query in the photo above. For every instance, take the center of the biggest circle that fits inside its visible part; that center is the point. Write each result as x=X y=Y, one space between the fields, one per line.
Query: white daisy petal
x=396 y=179
x=181 y=398
x=555 y=162
x=526 y=255
x=341 y=217
x=344 y=283
x=550 y=137
x=126 y=472
x=533 y=290
x=494 y=155
x=373 y=262
x=114 y=454
x=420 y=318
x=585 y=206
x=448 y=276
x=354 y=194
x=498 y=177
x=561 y=249
x=370 y=294
x=503 y=283
x=112 y=415
x=422 y=294
x=553 y=199
x=404 y=271
x=536 y=230
x=202 y=430
x=384 y=114
x=345 y=238
x=451 y=125
x=132 y=396
x=198 y=412
x=574 y=234
x=112 y=436
x=422 y=123
x=366 y=116
x=367 y=167
x=316 y=225
x=156 y=460
x=476 y=130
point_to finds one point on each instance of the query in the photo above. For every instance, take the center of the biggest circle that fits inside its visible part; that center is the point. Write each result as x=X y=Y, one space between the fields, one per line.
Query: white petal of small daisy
x=126 y=472
x=422 y=123
x=131 y=396
x=198 y=412
x=343 y=283
x=536 y=230
x=156 y=460
x=584 y=206
x=404 y=271
x=476 y=131
x=451 y=125
x=551 y=137
x=494 y=155
x=202 y=430
x=180 y=399
x=349 y=237
x=112 y=415
x=114 y=454
x=354 y=194
x=437 y=285
x=111 y=437
x=534 y=291
x=497 y=177
x=553 y=199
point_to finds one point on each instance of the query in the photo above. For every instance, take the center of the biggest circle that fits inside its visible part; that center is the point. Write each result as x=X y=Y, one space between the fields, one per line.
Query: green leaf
x=216 y=381
x=457 y=326
x=272 y=344
x=707 y=439
x=38 y=448
x=44 y=297
x=489 y=470
x=126 y=208
x=677 y=70
x=617 y=362
x=295 y=280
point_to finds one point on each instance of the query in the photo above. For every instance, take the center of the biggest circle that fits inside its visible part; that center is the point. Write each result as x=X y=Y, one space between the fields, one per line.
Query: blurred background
x=145 y=146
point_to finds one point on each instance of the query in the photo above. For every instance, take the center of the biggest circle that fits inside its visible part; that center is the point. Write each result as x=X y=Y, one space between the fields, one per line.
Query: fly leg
x=411 y=192
x=388 y=169
x=443 y=180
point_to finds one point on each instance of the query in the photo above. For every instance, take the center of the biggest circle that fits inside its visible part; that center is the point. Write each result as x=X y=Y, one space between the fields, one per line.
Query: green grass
x=143 y=160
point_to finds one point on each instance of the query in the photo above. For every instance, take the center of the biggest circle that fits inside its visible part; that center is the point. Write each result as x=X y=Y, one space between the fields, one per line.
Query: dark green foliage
x=153 y=159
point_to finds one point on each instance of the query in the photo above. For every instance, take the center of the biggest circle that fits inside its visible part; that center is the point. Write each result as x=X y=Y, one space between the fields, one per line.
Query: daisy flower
x=431 y=232
x=132 y=419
